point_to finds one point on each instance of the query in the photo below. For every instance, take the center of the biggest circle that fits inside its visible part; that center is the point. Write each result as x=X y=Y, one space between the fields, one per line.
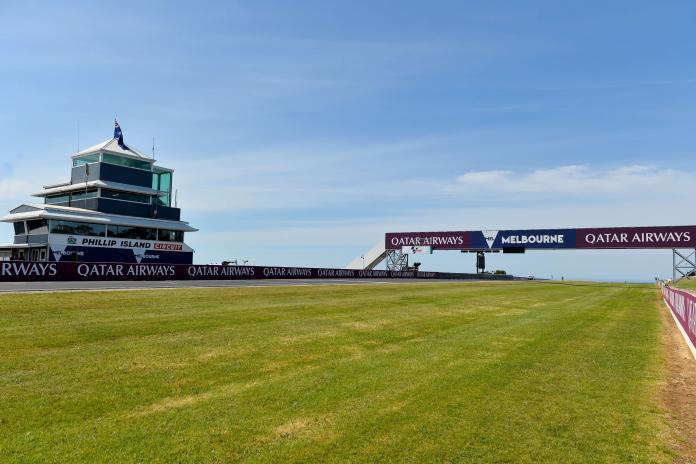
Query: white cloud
x=579 y=179
x=314 y=177
x=12 y=188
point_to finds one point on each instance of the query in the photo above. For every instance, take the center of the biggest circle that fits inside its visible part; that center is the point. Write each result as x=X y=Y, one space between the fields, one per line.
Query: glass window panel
x=166 y=182
x=125 y=161
x=78 y=228
x=37 y=226
x=128 y=196
x=53 y=199
x=136 y=233
x=83 y=195
x=170 y=235
x=94 y=158
x=163 y=200
x=19 y=228
x=122 y=231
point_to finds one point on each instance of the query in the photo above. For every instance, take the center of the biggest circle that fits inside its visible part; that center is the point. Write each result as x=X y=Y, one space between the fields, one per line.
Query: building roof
x=112 y=146
x=97 y=183
x=21 y=245
x=66 y=213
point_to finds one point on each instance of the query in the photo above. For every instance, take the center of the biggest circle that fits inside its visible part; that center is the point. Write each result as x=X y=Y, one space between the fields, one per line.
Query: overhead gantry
x=398 y=245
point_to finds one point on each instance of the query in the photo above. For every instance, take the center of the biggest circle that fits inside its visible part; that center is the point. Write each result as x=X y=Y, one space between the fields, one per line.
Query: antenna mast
x=153 y=147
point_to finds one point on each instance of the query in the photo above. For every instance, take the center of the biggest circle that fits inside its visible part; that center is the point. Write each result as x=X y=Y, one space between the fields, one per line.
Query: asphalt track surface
x=20 y=287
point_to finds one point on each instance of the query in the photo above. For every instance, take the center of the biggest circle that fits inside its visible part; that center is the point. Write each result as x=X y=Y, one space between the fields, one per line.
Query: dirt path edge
x=679 y=395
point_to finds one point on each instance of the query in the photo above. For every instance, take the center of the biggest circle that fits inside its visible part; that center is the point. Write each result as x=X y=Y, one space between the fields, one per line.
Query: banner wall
x=603 y=238
x=24 y=271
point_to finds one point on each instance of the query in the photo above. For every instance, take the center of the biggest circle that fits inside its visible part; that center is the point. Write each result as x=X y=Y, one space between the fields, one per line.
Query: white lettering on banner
x=373 y=274
x=224 y=271
x=274 y=271
x=427 y=241
x=99 y=270
x=151 y=270
x=533 y=239
x=59 y=242
x=120 y=270
x=638 y=237
x=606 y=238
x=299 y=272
x=402 y=274
x=11 y=269
x=68 y=253
x=335 y=273
x=661 y=237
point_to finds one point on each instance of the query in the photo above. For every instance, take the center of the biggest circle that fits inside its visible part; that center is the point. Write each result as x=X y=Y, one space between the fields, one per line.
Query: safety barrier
x=682 y=305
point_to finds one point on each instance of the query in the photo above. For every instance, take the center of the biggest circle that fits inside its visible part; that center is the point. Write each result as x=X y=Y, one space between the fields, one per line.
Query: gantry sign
x=517 y=241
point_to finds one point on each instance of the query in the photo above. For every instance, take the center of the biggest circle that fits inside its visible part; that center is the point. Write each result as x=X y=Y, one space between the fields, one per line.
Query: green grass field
x=689 y=284
x=498 y=372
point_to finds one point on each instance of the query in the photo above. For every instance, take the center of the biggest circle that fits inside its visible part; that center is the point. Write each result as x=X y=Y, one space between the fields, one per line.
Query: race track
x=14 y=287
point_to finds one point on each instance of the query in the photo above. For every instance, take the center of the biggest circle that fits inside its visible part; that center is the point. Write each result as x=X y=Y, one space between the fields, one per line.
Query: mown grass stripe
x=460 y=373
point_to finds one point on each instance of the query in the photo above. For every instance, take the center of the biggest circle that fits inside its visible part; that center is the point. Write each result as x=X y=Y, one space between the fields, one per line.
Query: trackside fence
x=682 y=305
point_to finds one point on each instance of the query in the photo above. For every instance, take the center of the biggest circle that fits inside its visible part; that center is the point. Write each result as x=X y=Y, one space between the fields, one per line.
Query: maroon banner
x=439 y=240
x=597 y=238
x=637 y=237
x=25 y=271
x=682 y=304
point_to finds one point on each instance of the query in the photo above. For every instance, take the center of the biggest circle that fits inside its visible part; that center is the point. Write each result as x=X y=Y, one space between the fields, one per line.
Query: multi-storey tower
x=117 y=207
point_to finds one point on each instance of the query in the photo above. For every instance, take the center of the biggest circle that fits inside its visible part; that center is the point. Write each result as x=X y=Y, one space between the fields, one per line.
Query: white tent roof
x=112 y=146
x=66 y=213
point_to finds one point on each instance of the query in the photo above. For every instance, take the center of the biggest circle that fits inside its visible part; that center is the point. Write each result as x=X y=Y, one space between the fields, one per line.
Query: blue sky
x=300 y=132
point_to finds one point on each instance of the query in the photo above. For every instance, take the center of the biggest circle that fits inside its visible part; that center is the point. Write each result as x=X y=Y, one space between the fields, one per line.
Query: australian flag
x=118 y=134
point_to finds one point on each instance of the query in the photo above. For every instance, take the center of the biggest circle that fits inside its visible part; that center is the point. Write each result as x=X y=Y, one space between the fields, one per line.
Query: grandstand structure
x=116 y=207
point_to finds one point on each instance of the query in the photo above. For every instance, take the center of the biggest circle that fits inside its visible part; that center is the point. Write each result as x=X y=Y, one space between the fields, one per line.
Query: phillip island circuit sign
x=599 y=238
x=77 y=248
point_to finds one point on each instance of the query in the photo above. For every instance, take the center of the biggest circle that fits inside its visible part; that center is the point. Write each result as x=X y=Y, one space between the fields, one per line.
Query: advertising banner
x=437 y=240
x=638 y=237
x=682 y=304
x=600 y=238
x=533 y=239
x=26 y=271
x=113 y=249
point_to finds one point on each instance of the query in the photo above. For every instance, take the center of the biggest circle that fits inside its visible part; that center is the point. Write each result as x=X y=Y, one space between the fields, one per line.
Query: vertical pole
x=674 y=265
